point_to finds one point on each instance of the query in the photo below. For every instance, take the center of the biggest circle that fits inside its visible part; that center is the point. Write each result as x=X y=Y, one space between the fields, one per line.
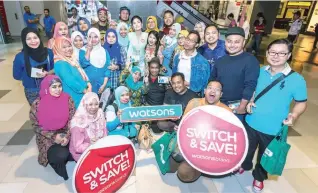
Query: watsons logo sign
x=146 y=113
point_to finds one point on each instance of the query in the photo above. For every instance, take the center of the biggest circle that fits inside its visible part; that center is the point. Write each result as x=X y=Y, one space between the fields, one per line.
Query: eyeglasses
x=278 y=54
x=217 y=90
x=189 y=40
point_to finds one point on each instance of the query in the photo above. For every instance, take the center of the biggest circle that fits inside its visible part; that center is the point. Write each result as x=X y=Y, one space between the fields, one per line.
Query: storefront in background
x=313 y=20
x=286 y=12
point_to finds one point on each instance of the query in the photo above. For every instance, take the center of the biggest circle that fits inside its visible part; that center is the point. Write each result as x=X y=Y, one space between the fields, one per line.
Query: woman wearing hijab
x=28 y=63
x=50 y=115
x=114 y=126
x=138 y=41
x=114 y=50
x=60 y=29
x=152 y=24
x=74 y=78
x=171 y=42
x=135 y=85
x=200 y=27
x=181 y=39
x=95 y=60
x=77 y=42
x=122 y=33
x=87 y=126
x=83 y=25
x=123 y=40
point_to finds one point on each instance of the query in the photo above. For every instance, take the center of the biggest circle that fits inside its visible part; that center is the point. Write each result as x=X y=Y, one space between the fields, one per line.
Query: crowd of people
x=64 y=82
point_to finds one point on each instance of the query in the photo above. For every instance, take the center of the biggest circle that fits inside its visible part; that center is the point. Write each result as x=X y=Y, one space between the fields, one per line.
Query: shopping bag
x=274 y=157
x=163 y=149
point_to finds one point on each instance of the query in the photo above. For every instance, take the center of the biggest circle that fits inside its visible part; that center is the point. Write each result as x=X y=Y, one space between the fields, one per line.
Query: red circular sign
x=212 y=140
x=105 y=166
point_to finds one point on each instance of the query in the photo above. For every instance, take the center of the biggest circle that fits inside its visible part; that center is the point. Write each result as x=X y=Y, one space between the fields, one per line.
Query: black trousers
x=58 y=156
x=255 y=139
x=291 y=38
x=315 y=42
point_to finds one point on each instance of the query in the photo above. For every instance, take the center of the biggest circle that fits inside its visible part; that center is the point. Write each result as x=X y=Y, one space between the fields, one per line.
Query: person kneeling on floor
x=113 y=112
x=179 y=94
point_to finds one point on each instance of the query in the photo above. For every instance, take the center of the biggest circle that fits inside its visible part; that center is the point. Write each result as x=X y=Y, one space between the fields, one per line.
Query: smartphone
x=163 y=79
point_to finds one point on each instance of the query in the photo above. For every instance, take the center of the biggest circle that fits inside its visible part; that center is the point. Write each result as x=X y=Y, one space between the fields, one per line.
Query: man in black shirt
x=179 y=94
x=238 y=72
x=154 y=90
x=102 y=24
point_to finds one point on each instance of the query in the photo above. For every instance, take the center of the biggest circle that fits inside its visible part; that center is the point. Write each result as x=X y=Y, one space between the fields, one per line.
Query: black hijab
x=39 y=54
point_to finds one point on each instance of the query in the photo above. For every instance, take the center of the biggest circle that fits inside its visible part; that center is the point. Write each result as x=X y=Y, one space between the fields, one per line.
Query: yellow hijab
x=156 y=24
x=185 y=34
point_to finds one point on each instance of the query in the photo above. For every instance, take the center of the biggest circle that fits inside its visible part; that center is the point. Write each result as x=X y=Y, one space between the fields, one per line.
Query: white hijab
x=172 y=41
x=98 y=53
x=76 y=50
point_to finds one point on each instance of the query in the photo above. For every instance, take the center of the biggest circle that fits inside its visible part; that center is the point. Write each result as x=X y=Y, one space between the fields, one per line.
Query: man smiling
x=179 y=94
x=214 y=48
x=102 y=24
x=185 y=172
x=238 y=72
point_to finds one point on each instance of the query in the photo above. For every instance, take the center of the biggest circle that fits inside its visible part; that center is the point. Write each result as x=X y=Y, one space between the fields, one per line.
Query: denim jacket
x=200 y=72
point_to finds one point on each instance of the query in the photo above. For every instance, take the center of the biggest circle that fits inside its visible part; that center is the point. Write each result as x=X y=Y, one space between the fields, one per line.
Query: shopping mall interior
x=20 y=171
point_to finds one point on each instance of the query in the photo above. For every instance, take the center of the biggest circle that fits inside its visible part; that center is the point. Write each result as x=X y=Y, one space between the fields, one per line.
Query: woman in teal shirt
x=95 y=60
x=74 y=79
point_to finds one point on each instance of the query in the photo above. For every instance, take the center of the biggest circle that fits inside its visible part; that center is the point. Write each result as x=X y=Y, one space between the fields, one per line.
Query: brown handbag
x=144 y=137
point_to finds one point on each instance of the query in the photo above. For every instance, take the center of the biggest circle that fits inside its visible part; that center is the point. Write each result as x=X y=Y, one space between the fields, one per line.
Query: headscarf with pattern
x=95 y=125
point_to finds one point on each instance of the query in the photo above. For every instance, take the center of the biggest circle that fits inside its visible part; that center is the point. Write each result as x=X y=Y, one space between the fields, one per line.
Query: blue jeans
x=256 y=43
x=49 y=35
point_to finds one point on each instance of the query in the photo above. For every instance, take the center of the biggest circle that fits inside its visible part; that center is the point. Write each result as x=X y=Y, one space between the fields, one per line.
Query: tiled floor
x=20 y=172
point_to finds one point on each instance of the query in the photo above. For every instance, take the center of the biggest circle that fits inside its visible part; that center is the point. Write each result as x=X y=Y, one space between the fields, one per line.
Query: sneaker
x=258 y=186
x=241 y=171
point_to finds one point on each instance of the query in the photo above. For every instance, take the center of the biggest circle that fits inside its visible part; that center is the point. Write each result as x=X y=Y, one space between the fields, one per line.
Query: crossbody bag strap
x=282 y=77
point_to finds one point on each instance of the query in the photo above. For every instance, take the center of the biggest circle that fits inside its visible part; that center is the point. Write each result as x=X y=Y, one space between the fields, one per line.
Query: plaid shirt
x=114 y=75
x=114 y=79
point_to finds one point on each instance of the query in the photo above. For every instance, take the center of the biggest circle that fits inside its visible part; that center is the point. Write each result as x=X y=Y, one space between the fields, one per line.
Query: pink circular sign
x=105 y=166
x=212 y=140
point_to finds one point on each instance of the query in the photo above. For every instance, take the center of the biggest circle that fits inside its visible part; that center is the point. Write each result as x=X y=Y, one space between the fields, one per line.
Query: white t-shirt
x=185 y=65
x=246 y=27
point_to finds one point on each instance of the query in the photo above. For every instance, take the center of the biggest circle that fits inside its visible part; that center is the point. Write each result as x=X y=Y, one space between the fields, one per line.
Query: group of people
x=65 y=82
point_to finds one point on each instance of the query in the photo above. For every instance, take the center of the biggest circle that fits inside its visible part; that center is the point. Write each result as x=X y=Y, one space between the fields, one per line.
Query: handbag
x=274 y=157
x=163 y=148
x=144 y=137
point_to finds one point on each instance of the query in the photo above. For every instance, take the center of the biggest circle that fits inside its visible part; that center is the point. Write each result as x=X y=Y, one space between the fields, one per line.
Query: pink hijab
x=53 y=112
x=95 y=125
x=56 y=33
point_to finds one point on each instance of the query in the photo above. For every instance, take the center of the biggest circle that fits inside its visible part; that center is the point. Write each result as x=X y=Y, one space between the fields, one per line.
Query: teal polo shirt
x=273 y=107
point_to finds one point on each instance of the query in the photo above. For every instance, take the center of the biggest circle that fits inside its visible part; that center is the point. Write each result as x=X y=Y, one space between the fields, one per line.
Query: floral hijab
x=95 y=125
